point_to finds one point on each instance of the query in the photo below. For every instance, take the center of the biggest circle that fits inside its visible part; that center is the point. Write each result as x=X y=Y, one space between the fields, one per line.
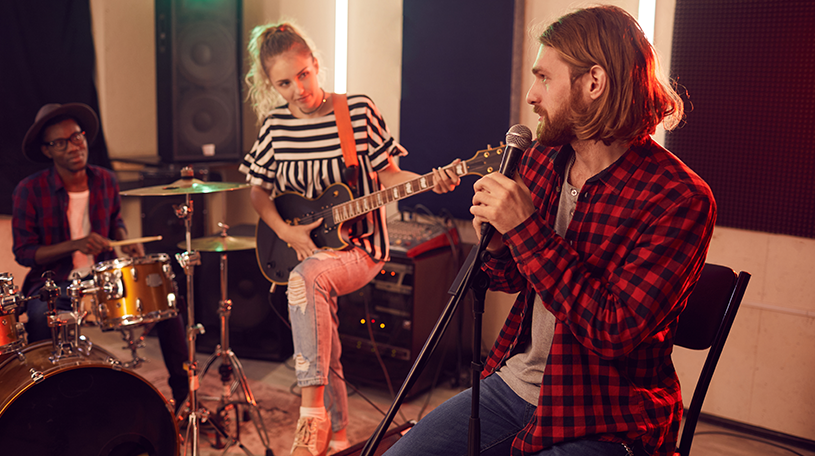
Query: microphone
x=518 y=139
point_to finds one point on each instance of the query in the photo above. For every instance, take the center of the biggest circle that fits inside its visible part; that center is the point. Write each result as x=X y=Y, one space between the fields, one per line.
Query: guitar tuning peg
x=489 y=146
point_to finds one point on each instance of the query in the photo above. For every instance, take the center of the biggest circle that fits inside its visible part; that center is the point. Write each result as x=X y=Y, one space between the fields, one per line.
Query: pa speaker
x=256 y=326
x=198 y=67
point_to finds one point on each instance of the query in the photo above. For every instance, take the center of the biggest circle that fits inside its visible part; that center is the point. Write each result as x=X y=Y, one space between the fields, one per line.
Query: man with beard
x=603 y=234
x=64 y=218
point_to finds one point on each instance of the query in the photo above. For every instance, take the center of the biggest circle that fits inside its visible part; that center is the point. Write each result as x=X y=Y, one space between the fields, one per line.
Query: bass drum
x=80 y=406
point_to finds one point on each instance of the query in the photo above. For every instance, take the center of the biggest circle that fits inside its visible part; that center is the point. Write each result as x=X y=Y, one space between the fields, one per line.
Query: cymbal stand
x=230 y=362
x=187 y=260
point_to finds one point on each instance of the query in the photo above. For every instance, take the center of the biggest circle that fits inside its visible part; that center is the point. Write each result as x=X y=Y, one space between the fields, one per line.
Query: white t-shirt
x=80 y=222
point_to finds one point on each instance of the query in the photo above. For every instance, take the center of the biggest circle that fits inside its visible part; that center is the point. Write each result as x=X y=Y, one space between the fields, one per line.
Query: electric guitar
x=337 y=205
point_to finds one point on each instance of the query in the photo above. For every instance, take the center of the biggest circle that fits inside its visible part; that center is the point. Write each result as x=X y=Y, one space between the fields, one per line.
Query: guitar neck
x=368 y=203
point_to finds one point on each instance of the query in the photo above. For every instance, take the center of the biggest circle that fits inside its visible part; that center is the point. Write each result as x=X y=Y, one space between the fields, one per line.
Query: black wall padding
x=456 y=77
x=47 y=56
x=748 y=68
x=198 y=74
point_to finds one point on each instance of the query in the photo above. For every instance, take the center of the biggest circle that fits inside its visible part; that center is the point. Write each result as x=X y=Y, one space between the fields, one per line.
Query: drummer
x=64 y=218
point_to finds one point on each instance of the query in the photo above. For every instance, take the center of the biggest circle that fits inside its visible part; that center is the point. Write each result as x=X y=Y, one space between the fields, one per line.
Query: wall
x=764 y=376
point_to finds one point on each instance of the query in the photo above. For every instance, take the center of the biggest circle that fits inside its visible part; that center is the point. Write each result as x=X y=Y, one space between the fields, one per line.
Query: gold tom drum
x=80 y=405
x=134 y=291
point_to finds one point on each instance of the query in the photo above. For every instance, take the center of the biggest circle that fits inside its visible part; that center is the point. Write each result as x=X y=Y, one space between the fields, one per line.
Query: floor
x=709 y=441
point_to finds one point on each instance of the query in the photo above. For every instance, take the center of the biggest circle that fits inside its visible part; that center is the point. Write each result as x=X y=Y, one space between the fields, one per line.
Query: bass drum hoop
x=81 y=405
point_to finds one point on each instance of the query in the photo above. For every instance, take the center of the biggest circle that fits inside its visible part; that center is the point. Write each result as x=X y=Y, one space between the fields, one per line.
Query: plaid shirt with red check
x=616 y=283
x=40 y=218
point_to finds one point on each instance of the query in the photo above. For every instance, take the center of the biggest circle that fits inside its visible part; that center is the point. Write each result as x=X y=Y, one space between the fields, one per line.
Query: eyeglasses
x=61 y=144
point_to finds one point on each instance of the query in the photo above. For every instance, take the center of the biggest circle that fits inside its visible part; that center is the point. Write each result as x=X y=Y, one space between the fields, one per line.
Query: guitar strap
x=347 y=142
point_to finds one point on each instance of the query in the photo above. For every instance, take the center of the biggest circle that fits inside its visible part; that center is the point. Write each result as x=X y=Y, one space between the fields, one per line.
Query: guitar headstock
x=486 y=161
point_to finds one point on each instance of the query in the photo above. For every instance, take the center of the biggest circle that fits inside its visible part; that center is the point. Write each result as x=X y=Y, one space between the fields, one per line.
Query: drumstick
x=135 y=241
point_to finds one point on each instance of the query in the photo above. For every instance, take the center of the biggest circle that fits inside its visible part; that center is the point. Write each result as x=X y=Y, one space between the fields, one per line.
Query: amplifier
x=394 y=315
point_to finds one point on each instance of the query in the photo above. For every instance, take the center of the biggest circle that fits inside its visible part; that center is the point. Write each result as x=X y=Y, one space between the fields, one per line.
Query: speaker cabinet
x=398 y=310
x=255 y=329
x=198 y=69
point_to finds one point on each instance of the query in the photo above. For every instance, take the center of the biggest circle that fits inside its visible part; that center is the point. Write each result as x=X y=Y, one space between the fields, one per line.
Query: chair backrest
x=705 y=323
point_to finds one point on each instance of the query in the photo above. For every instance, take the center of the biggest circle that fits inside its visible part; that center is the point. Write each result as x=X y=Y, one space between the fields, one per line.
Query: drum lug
x=114 y=363
x=36 y=376
x=168 y=271
x=112 y=285
x=134 y=274
x=139 y=306
x=102 y=312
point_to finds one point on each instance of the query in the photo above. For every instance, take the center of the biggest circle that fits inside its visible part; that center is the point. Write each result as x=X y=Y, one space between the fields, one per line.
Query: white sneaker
x=335 y=446
x=312 y=434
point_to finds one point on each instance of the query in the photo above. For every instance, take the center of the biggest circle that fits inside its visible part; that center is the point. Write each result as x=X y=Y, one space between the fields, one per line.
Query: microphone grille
x=519 y=136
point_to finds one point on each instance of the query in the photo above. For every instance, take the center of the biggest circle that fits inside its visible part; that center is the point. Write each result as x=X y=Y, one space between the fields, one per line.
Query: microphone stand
x=470 y=277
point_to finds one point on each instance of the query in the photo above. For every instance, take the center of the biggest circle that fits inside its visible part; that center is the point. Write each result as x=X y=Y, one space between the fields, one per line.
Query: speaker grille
x=198 y=68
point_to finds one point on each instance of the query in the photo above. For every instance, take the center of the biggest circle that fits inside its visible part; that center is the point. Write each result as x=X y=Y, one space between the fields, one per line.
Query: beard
x=559 y=129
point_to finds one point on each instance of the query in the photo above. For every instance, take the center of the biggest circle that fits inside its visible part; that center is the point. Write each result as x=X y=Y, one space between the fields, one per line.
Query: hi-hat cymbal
x=185 y=186
x=220 y=243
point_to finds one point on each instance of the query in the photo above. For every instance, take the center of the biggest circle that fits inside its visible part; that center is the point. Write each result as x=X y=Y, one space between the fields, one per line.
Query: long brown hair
x=637 y=98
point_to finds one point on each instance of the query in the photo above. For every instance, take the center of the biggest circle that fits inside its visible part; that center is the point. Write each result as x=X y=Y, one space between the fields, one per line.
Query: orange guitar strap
x=347 y=142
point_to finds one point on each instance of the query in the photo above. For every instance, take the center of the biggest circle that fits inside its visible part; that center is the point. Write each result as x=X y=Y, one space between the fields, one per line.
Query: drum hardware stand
x=230 y=363
x=134 y=344
x=65 y=334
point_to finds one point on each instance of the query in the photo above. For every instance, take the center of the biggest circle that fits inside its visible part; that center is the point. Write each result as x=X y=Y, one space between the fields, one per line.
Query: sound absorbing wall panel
x=457 y=62
x=198 y=73
x=748 y=69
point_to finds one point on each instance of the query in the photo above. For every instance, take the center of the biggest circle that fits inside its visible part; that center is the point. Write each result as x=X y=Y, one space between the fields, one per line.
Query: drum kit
x=44 y=384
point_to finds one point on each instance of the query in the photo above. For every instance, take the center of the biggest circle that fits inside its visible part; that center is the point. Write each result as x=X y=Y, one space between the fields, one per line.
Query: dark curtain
x=47 y=55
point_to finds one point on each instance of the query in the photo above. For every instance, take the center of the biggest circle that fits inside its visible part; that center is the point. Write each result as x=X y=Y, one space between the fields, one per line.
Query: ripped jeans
x=313 y=288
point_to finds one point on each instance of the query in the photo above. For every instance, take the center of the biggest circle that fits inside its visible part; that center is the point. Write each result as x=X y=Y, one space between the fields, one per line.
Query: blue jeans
x=444 y=431
x=313 y=288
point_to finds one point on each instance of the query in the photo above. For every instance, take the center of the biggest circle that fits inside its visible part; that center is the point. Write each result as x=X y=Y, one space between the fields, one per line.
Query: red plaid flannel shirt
x=40 y=218
x=616 y=283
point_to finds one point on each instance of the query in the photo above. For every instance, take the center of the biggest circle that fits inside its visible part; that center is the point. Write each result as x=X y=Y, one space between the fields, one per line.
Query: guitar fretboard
x=365 y=204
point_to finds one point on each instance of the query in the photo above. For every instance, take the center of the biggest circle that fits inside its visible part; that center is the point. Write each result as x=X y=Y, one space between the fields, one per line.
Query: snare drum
x=134 y=291
x=80 y=405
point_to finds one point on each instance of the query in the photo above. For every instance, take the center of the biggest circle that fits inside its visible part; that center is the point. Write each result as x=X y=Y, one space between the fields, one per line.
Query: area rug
x=279 y=410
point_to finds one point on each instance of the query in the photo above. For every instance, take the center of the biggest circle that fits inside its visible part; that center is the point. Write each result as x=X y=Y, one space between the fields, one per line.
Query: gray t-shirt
x=523 y=371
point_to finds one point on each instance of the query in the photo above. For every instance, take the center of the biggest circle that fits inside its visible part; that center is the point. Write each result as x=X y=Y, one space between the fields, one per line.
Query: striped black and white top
x=304 y=155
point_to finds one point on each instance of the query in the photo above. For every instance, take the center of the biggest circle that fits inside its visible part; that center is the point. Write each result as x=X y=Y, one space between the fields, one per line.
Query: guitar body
x=337 y=205
x=275 y=258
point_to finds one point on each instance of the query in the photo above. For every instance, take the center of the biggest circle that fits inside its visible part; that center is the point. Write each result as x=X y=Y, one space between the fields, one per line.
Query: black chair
x=705 y=323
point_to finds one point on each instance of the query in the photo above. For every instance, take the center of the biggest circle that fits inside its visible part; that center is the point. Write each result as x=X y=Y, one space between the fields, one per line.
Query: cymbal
x=185 y=186
x=220 y=243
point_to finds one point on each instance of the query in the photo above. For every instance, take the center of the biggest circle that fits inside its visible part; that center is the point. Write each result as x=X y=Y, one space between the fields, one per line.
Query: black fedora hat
x=83 y=114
